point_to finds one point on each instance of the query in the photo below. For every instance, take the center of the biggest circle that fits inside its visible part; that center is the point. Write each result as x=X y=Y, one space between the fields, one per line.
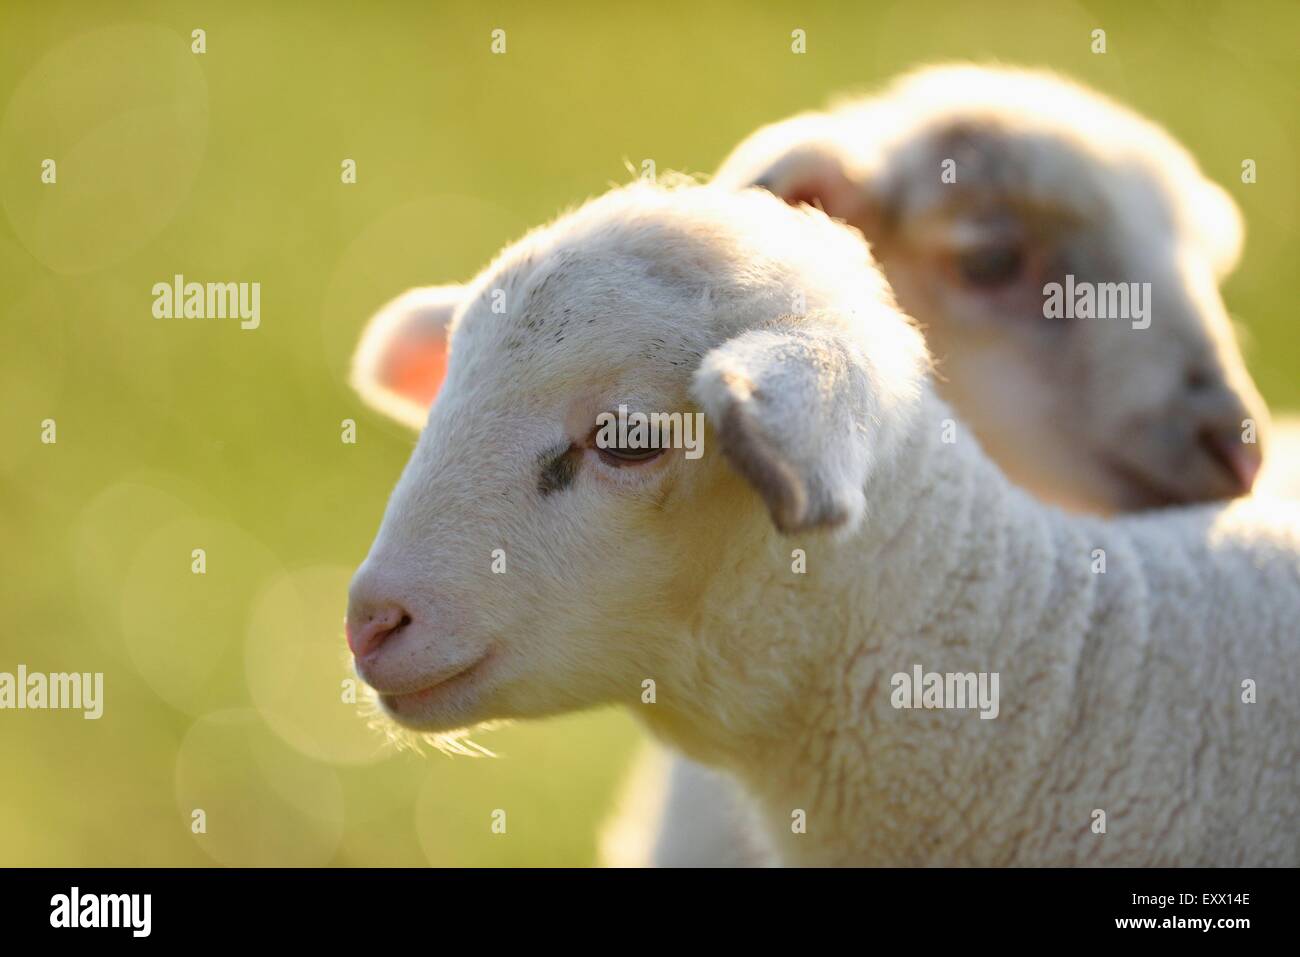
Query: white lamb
x=1128 y=693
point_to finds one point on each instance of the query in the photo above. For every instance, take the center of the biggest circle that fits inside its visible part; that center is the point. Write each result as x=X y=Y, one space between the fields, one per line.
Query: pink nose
x=367 y=630
x=1241 y=461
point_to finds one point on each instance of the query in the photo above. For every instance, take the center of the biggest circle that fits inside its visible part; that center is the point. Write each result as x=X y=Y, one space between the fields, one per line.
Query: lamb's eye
x=990 y=266
x=627 y=456
x=627 y=441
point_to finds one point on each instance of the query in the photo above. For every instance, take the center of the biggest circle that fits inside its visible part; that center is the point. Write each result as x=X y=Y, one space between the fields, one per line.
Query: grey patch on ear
x=789 y=406
x=795 y=505
x=770 y=475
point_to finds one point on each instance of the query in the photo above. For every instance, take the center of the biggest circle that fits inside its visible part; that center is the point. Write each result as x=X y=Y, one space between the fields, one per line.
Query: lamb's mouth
x=1152 y=492
x=416 y=704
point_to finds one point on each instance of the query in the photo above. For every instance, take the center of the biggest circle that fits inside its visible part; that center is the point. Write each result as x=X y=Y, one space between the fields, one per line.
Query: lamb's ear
x=802 y=161
x=815 y=174
x=401 y=360
x=790 y=407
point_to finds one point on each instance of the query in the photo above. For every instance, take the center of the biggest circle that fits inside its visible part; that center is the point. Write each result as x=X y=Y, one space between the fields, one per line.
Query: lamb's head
x=524 y=565
x=980 y=188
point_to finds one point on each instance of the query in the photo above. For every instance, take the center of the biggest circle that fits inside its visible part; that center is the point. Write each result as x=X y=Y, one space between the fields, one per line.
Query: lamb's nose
x=368 y=628
x=1239 y=459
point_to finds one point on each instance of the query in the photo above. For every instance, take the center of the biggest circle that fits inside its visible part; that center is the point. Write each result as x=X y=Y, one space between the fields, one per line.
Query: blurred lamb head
x=1051 y=180
x=520 y=570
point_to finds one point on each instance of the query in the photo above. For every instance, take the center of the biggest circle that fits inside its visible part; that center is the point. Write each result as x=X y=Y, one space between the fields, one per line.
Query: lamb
x=977 y=187
x=1128 y=732
x=1048 y=179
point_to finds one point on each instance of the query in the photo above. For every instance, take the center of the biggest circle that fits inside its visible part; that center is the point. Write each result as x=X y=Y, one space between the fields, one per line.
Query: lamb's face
x=514 y=550
x=1143 y=408
x=521 y=569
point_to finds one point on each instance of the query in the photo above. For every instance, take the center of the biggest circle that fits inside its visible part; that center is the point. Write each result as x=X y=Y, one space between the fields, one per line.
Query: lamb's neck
x=948 y=555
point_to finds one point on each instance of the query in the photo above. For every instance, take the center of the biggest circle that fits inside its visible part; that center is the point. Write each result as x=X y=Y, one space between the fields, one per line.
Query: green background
x=222 y=690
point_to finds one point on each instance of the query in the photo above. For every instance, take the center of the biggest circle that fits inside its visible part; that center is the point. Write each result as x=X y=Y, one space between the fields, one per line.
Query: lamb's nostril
x=367 y=631
x=1199 y=380
x=1238 y=458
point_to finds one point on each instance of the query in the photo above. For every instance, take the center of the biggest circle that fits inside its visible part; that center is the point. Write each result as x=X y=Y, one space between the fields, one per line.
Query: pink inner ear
x=417 y=374
x=833 y=193
x=806 y=193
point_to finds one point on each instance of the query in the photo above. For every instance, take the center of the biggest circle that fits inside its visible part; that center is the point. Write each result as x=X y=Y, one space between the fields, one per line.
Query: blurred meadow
x=222 y=690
